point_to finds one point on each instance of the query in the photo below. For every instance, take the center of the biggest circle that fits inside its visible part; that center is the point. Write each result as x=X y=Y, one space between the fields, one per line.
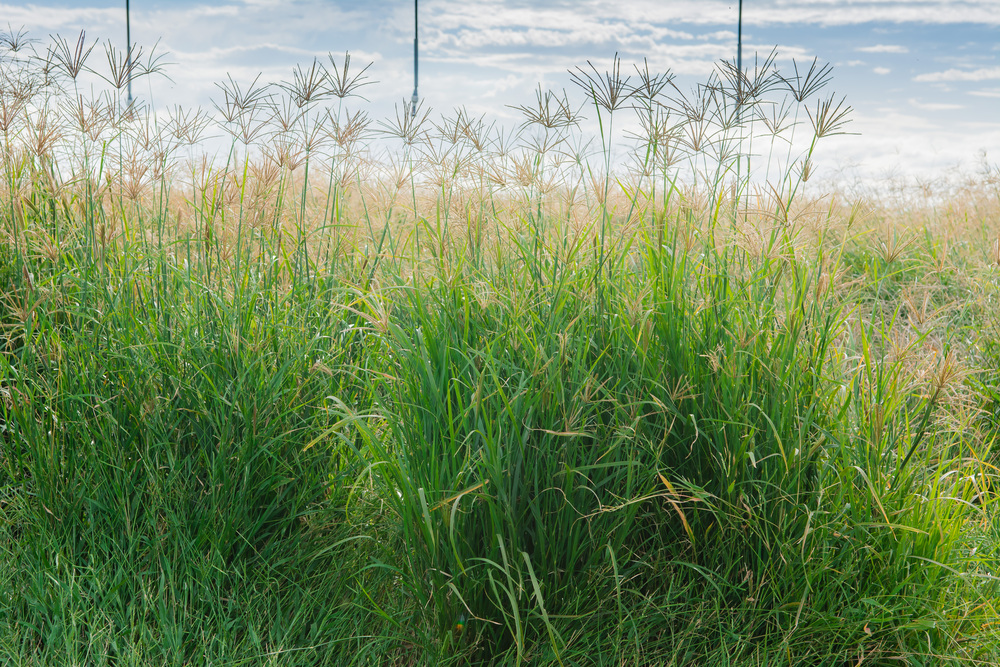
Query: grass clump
x=598 y=444
x=672 y=468
x=482 y=398
x=173 y=514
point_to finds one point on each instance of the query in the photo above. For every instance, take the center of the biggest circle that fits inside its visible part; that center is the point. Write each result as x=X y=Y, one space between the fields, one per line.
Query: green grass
x=277 y=417
x=155 y=459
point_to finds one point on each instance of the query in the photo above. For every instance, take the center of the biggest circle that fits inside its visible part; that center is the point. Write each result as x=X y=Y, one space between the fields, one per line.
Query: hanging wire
x=413 y=103
x=739 y=51
x=128 y=48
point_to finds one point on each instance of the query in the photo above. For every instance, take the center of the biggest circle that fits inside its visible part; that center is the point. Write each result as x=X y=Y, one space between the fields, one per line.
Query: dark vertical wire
x=739 y=96
x=413 y=106
x=128 y=49
x=739 y=51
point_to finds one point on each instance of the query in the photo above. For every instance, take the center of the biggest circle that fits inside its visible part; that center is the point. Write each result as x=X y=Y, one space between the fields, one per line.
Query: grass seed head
x=830 y=118
x=342 y=83
x=810 y=81
x=550 y=111
x=409 y=124
x=309 y=86
x=71 y=59
x=609 y=91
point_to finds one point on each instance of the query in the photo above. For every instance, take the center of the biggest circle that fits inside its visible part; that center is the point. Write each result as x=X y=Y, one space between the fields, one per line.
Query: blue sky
x=922 y=75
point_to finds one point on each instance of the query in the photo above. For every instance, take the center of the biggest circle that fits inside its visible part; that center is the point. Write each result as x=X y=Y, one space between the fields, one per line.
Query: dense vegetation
x=469 y=395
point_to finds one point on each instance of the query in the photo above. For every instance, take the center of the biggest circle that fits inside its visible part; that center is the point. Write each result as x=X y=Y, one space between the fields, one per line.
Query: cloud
x=720 y=35
x=883 y=48
x=934 y=106
x=509 y=82
x=211 y=11
x=982 y=74
x=905 y=143
x=488 y=53
x=36 y=18
x=485 y=13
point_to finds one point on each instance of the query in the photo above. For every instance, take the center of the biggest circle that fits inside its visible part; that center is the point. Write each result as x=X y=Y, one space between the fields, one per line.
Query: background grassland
x=471 y=395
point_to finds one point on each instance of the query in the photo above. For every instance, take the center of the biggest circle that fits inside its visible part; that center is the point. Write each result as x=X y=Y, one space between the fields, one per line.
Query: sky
x=923 y=76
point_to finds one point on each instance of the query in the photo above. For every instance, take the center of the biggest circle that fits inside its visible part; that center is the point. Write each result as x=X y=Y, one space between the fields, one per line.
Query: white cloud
x=982 y=74
x=883 y=48
x=208 y=11
x=815 y=12
x=487 y=53
x=450 y=15
x=263 y=3
x=893 y=141
x=719 y=34
x=934 y=106
x=509 y=82
x=40 y=18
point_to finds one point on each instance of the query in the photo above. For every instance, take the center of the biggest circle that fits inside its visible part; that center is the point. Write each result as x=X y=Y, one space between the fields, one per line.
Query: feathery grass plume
x=546 y=126
x=286 y=114
x=477 y=132
x=188 y=127
x=776 y=120
x=830 y=120
x=408 y=124
x=610 y=90
x=653 y=114
x=245 y=113
x=342 y=84
x=452 y=130
x=651 y=86
x=309 y=87
x=746 y=88
x=72 y=60
x=90 y=117
x=285 y=143
x=550 y=111
x=14 y=42
x=44 y=133
x=15 y=93
x=807 y=83
x=126 y=67
x=349 y=133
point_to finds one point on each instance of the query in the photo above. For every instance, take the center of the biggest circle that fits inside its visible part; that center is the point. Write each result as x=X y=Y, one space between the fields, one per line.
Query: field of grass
x=434 y=391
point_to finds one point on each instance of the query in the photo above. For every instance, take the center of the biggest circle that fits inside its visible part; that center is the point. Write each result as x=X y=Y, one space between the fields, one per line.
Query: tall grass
x=434 y=391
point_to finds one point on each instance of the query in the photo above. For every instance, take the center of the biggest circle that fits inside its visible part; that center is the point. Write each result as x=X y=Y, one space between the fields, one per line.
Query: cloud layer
x=924 y=61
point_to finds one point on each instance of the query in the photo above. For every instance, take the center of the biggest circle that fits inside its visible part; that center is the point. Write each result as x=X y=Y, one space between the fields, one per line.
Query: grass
x=471 y=395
